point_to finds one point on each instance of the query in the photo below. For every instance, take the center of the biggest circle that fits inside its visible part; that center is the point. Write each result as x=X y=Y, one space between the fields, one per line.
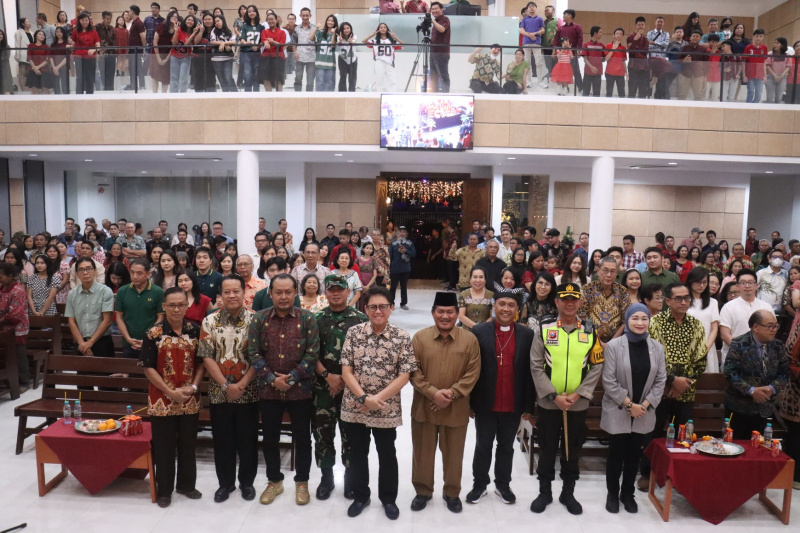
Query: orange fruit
x=102 y=427
x=111 y=423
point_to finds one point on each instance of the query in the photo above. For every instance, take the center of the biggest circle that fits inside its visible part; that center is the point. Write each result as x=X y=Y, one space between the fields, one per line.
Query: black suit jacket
x=482 y=397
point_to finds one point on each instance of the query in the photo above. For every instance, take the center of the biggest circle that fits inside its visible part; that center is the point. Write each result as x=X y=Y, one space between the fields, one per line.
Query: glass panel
x=271 y=203
x=222 y=207
x=525 y=200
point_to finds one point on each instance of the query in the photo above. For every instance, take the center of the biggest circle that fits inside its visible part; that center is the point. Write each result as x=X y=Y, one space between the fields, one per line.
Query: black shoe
x=355 y=508
x=505 y=494
x=453 y=504
x=325 y=488
x=475 y=495
x=629 y=503
x=541 y=502
x=223 y=492
x=391 y=510
x=249 y=493
x=163 y=501
x=193 y=494
x=568 y=500
x=420 y=502
x=612 y=503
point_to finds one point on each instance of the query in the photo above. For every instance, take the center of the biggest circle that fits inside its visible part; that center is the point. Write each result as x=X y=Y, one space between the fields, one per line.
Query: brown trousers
x=425 y=437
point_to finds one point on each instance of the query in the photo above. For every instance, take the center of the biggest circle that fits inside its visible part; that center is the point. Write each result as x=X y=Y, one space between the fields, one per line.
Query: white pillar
x=602 y=202
x=497 y=198
x=498 y=9
x=247 y=182
x=299 y=199
x=297 y=5
x=54 y=194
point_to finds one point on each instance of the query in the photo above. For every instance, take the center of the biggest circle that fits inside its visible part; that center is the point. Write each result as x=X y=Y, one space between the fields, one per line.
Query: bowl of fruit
x=97 y=427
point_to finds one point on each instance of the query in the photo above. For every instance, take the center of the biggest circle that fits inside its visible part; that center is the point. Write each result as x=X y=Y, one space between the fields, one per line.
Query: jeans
x=307 y=69
x=755 y=89
x=248 y=64
x=84 y=74
x=108 y=64
x=729 y=89
x=359 y=436
x=491 y=426
x=440 y=69
x=402 y=279
x=300 y=412
x=619 y=81
x=171 y=433
x=224 y=71
x=137 y=70
x=348 y=73
x=325 y=79
x=179 y=74
x=775 y=90
x=624 y=453
x=235 y=430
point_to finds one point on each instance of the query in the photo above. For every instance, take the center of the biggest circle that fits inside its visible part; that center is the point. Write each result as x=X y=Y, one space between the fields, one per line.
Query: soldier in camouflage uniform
x=333 y=323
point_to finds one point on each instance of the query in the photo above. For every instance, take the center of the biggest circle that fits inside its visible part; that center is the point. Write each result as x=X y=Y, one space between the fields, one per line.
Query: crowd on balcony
x=201 y=50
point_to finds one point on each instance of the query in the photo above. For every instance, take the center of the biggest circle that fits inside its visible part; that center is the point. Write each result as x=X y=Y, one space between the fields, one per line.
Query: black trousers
x=744 y=425
x=549 y=431
x=235 y=430
x=666 y=410
x=348 y=74
x=792 y=445
x=23 y=365
x=619 y=81
x=137 y=70
x=576 y=72
x=591 y=85
x=624 y=454
x=490 y=427
x=402 y=279
x=638 y=82
x=479 y=86
x=359 y=437
x=663 y=85
x=108 y=64
x=452 y=273
x=171 y=433
x=511 y=87
x=300 y=411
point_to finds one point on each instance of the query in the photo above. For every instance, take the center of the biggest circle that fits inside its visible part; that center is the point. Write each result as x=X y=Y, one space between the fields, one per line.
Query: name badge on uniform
x=552 y=337
x=583 y=336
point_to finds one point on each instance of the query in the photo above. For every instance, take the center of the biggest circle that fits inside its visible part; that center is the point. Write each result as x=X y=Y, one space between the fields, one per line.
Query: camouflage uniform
x=333 y=328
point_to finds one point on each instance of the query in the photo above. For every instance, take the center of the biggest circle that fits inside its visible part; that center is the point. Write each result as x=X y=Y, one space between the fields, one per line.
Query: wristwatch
x=194 y=387
x=551 y=397
x=291 y=381
x=362 y=399
x=224 y=387
x=325 y=374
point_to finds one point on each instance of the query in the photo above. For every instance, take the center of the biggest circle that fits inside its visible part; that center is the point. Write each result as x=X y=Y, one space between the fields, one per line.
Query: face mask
x=776 y=262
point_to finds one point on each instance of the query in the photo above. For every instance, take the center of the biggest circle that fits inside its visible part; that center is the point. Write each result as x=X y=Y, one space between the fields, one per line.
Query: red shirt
x=85 y=39
x=179 y=52
x=37 y=55
x=505 y=346
x=277 y=35
x=416 y=7
x=197 y=311
x=754 y=68
x=593 y=57
x=14 y=311
x=571 y=31
x=136 y=31
x=616 y=61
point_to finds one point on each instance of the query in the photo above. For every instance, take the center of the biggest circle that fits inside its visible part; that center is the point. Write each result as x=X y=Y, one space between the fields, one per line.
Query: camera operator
x=440 y=55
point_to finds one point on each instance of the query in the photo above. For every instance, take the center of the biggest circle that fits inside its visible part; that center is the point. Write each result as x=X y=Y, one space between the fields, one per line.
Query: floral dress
x=319 y=304
x=63 y=270
x=477 y=309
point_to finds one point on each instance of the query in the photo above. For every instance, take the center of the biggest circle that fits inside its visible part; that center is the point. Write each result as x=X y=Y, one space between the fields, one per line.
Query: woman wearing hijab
x=634 y=375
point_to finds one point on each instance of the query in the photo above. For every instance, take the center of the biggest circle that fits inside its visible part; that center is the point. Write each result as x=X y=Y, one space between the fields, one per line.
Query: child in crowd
x=552 y=266
x=562 y=72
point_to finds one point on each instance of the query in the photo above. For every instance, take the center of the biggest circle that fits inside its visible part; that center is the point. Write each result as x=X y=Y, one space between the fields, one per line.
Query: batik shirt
x=684 y=346
x=174 y=356
x=223 y=337
x=606 y=312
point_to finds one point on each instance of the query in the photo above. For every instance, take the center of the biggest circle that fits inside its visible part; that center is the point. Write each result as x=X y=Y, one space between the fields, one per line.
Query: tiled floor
x=125 y=504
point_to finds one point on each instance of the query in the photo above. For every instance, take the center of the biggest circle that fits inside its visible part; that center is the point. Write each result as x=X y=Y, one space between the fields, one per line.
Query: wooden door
x=477 y=195
x=381 y=192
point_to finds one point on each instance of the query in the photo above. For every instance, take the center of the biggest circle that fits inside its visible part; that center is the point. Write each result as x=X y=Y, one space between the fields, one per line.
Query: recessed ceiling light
x=179 y=155
x=88 y=160
x=768 y=172
x=350 y=161
x=337 y=155
x=511 y=158
x=672 y=163
x=144 y=172
x=33 y=155
x=635 y=168
x=216 y=159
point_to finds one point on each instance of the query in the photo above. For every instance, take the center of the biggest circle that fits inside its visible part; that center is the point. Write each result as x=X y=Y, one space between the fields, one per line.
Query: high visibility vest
x=569 y=356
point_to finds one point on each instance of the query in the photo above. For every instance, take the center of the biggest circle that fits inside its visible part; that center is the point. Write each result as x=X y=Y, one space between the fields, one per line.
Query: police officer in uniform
x=566 y=364
x=333 y=323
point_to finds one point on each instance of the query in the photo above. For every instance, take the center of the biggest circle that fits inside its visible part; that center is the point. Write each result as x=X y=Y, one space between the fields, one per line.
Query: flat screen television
x=431 y=122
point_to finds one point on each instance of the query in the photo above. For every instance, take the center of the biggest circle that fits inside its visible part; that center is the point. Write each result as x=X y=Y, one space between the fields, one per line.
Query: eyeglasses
x=686 y=298
x=374 y=307
x=771 y=327
x=173 y=307
x=84 y=270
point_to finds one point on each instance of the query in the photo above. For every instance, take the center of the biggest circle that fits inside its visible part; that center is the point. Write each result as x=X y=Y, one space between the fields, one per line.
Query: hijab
x=635 y=308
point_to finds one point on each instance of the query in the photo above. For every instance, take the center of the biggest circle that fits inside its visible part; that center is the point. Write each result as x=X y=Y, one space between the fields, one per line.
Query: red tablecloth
x=715 y=486
x=95 y=460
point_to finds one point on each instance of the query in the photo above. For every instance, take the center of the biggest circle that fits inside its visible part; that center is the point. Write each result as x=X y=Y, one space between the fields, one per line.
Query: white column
x=297 y=5
x=497 y=198
x=54 y=194
x=498 y=9
x=602 y=202
x=298 y=199
x=246 y=200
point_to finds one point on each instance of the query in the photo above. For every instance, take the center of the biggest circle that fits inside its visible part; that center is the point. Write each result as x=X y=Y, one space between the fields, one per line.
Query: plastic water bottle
x=67 y=413
x=725 y=426
x=128 y=411
x=689 y=431
x=768 y=435
x=77 y=412
x=671 y=436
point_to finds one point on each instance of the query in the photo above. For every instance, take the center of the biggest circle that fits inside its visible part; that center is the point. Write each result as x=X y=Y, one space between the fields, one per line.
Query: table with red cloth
x=703 y=479
x=94 y=460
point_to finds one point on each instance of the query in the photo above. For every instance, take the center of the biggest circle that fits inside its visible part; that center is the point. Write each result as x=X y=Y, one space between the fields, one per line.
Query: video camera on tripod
x=425 y=26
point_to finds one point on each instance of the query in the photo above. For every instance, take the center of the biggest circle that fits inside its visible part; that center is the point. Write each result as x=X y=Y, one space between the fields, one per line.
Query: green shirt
x=139 y=309
x=262 y=300
x=516 y=72
x=87 y=307
x=551 y=27
x=210 y=283
x=325 y=51
x=665 y=278
x=333 y=326
x=251 y=34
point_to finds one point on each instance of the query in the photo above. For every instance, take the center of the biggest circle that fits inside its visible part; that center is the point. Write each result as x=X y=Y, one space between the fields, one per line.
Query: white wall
x=744 y=8
x=774 y=205
x=92 y=202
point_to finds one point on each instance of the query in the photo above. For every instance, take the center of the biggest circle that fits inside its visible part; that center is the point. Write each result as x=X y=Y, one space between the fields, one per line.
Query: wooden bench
x=44 y=337
x=9 y=369
x=708 y=415
x=68 y=344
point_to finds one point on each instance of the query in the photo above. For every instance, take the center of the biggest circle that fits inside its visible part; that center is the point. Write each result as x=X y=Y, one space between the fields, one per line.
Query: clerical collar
x=505 y=328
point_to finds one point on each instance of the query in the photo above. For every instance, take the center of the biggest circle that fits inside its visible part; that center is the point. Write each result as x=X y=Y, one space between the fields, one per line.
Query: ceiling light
x=635 y=168
x=144 y=172
x=216 y=159
x=337 y=155
x=33 y=155
x=179 y=155
x=769 y=172
x=672 y=163
x=88 y=160
x=511 y=158
x=350 y=161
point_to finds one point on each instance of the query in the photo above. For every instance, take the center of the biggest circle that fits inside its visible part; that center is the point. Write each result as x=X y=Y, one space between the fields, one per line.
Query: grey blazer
x=617 y=383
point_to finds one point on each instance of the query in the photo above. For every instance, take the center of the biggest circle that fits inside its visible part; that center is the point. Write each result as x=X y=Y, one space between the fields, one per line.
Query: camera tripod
x=424 y=51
